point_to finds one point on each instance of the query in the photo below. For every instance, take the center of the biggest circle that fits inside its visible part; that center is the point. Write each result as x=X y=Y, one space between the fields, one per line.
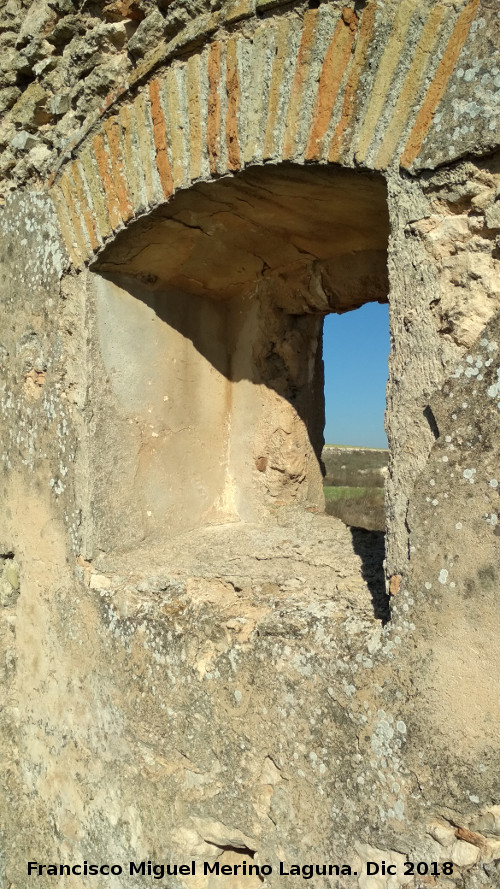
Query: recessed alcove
x=208 y=395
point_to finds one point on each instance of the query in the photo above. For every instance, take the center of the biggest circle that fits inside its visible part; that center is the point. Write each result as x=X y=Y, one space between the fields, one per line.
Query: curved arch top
x=334 y=85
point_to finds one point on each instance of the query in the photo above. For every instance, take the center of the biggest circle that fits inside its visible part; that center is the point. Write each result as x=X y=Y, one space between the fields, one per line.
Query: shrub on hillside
x=357 y=507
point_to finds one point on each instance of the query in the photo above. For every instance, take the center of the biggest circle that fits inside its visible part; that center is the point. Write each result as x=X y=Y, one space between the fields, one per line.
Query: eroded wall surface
x=199 y=665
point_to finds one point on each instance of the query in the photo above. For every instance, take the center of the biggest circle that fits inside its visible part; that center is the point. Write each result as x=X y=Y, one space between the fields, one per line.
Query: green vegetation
x=341 y=492
x=354 y=467
x=357 y=507
x=354 y=485
x=355 y=448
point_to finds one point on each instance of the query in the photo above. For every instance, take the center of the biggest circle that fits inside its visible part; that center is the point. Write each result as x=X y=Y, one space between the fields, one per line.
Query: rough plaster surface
x=197 y=663
x=284 y=227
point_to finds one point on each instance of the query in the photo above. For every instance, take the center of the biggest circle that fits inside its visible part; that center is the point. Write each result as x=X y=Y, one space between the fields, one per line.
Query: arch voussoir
x=294 y=89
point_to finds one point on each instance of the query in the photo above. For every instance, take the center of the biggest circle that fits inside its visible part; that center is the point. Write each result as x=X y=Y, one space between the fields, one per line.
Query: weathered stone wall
x=201 y=666
x=387 y=68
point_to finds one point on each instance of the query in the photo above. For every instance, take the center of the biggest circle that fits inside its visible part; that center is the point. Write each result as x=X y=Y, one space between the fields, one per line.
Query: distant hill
x=355 y=467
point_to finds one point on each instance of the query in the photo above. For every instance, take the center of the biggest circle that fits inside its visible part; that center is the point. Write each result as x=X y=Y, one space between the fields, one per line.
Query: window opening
x=209 y=318
x=355 y=456
x=355 y=350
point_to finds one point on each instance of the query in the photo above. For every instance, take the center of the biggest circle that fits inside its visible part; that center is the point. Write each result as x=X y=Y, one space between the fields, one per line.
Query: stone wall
x=63 y=63
x=198 y=663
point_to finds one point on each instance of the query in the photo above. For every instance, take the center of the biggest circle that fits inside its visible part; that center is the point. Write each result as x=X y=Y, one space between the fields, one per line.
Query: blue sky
x=355 y=350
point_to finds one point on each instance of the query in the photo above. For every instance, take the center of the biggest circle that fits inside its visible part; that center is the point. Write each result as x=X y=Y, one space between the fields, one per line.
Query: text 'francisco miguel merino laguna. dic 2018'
x=158 y=871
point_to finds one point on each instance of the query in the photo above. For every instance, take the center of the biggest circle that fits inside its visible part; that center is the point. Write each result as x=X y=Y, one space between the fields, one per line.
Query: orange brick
x=113 y=131
x=301 y=72
x=233 y=100
x=213 y=120
x=94 y=184
x=160 y=139
x=380 y=93
x=336 y=60
x=349 y=104
x=424 y=53
x=103 y=165
x=87 y=211
x=67 y=232
x=436 y=90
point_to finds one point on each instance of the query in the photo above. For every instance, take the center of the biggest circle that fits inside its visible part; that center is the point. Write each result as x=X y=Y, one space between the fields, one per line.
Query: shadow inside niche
x=370 y=547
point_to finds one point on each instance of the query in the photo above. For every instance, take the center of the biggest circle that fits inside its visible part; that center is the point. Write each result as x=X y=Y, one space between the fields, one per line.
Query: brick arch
x=302 y=89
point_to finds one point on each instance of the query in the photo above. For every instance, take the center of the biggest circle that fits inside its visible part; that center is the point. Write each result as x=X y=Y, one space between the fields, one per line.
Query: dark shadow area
x=250 y=869
x=370 y=547
x=433 y=426
x=279 y=357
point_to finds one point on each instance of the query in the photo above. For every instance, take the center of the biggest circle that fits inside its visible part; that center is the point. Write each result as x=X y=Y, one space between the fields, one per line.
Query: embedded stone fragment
x=8 y=97
x=149 y=32
x=37 y=23
x=394 y=584
x=60 y=104
x=464 y=854
x=124 y=9
x=9 y=582
x=31 y=109
x=23 y=141
x=493 y=215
